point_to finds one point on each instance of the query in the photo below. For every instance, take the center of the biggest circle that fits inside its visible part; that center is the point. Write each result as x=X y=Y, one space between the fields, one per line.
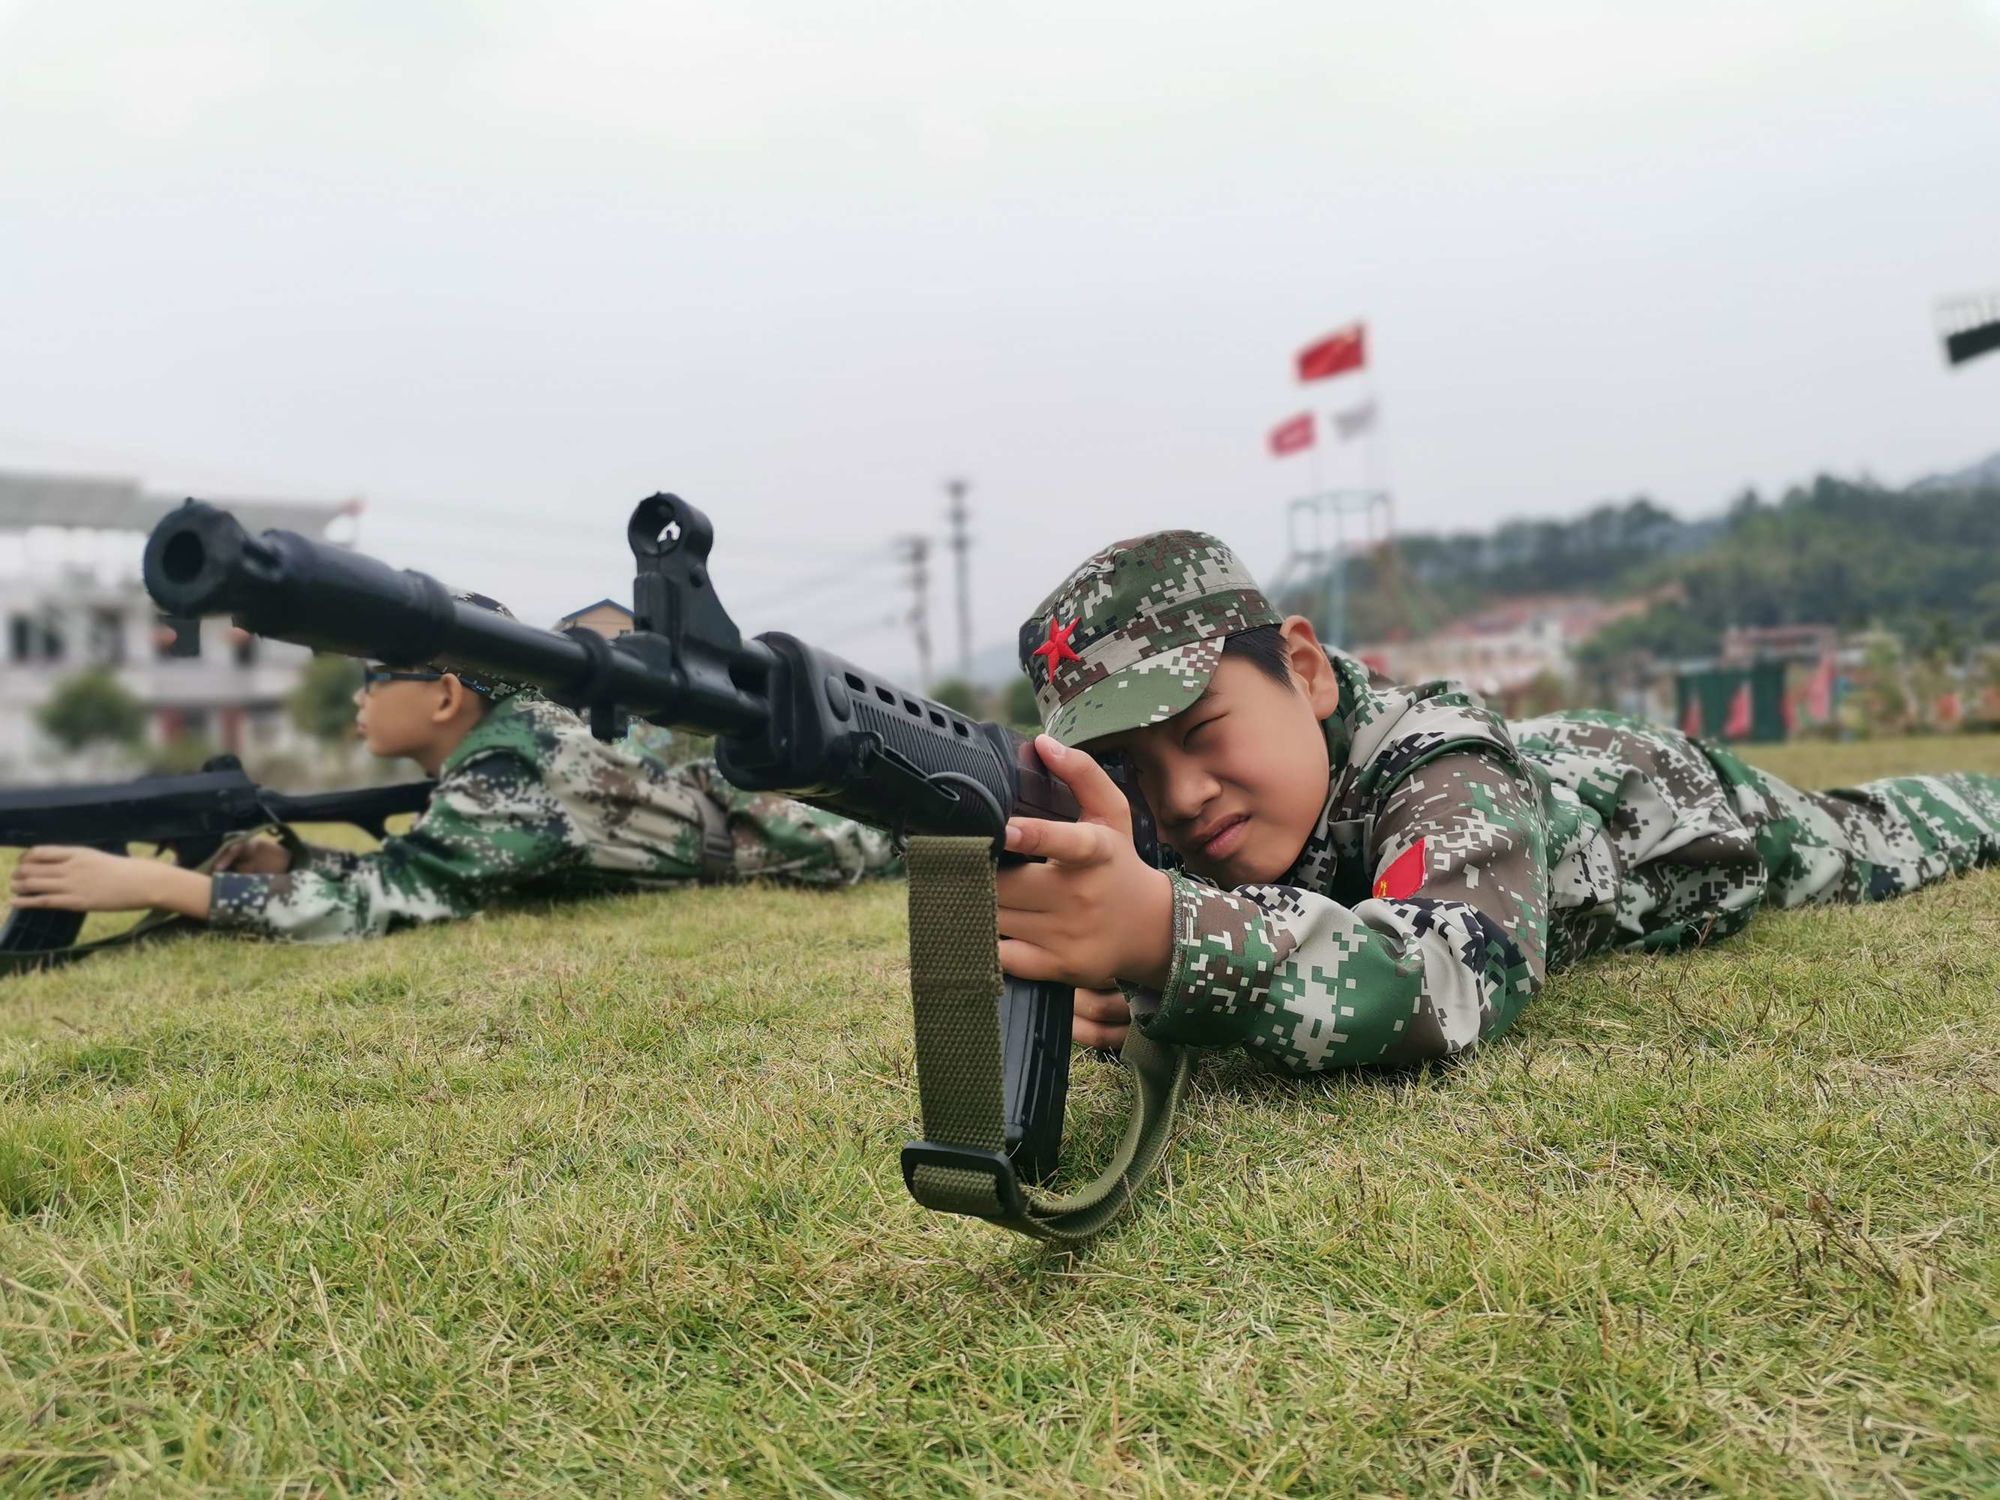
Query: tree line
x=1849 y=553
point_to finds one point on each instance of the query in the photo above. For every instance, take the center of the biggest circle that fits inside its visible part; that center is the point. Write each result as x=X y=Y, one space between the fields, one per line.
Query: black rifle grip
x=1034 y=1032
x=39 y=930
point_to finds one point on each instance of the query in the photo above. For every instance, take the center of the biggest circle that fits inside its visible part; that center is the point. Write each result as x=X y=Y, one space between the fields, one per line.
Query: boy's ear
x=453 y=699
x=1310 y=669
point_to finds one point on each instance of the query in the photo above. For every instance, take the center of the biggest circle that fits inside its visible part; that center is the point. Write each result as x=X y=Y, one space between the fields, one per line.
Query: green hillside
x=1924 y=562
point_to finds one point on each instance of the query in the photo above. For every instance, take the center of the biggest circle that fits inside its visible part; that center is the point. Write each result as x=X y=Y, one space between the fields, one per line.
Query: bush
x=92 y=708
x=957 y=693
x=181 y=754
x=322 y=704
x=1021 y=710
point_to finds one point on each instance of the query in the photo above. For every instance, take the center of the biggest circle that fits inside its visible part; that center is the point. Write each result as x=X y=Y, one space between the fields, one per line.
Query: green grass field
x=605 y=1199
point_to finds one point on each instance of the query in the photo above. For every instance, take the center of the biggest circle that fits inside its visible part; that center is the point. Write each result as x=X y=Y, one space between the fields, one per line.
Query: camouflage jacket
x=530 y=804
x=1457 y=859
x=1415 y=921
x=1460 y=859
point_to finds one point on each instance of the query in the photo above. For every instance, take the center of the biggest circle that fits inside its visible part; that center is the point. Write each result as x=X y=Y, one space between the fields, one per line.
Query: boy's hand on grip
x=253 y=856
x=60 y=877
x=1094 y=910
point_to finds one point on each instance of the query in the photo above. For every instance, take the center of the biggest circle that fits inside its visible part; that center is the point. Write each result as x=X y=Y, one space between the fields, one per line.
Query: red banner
x=1336 y=354
x=1819 y=691
x=1737 y=725
x=1293 y=436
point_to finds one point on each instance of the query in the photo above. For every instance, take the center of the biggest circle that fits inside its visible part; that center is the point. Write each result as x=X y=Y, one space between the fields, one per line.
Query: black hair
x=1265 y=648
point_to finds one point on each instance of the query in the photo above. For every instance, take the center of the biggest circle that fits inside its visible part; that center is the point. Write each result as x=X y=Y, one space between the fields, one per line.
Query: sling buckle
x=992 y=1164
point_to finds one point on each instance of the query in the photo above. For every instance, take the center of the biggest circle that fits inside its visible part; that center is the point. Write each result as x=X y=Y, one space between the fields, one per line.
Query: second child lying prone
x=527 y=803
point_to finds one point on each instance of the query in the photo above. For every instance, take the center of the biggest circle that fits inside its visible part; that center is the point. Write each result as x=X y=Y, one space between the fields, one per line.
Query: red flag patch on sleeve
x=1404 y=876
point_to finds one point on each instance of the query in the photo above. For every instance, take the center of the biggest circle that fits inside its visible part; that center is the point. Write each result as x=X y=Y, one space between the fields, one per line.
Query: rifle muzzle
x=200 y=561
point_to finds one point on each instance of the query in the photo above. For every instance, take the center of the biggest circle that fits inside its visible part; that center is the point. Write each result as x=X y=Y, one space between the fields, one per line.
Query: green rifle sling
x=955 y=987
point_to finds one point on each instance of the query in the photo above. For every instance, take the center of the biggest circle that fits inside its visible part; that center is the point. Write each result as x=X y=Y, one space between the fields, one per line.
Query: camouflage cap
x=1132 y=636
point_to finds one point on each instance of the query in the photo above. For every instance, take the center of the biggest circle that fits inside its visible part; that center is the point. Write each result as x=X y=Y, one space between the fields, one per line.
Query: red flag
x=1404 y=876
x=1293 y=436
x=1335 y=354
x=1737 y=725
x=1691 y=716
x=1819 y=691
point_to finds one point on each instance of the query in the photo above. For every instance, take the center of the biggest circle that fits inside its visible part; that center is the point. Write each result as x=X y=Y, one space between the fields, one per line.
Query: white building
x=71 y=599
x=1501 y=652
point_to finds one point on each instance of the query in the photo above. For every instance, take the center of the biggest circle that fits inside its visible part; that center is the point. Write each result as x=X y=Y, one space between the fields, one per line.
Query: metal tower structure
x=1316 y=539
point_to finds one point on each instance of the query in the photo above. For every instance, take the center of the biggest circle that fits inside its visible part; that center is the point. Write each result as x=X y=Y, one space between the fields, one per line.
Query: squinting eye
x=1188 y=738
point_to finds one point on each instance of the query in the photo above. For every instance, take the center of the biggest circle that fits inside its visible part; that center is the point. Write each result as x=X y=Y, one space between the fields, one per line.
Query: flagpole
x=1381 y=453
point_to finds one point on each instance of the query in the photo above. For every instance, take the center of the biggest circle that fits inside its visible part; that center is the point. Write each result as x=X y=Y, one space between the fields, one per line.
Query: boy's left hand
x=1095 y=912
x=63 y=878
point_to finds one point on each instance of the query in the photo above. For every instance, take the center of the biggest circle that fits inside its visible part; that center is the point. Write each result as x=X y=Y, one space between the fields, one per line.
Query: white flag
x=1350 y=424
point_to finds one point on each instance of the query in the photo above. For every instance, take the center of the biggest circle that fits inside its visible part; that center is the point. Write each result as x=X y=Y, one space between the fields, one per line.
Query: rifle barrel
x=200 y=561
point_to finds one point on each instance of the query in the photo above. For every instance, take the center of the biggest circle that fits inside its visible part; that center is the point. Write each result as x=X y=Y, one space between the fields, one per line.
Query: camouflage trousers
x=1699 y=839
x=775 y=838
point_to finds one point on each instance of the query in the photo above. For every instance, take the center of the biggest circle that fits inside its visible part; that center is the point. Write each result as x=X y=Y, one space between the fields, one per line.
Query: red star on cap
x=1057 y=647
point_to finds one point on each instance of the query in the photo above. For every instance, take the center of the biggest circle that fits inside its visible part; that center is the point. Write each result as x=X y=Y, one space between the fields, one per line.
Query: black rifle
x=187 y=815
x=787 y=717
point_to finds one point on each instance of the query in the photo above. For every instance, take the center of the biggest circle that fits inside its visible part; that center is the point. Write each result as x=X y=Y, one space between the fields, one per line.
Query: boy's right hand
x=1101 y=1019
x=253 y=857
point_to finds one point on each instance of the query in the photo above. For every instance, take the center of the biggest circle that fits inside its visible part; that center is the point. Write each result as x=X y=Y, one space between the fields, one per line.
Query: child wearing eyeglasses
x=527 y=803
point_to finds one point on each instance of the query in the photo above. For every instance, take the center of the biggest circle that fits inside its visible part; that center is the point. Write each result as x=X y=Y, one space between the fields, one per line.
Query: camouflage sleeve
x=490 y=825
x=1443 y=954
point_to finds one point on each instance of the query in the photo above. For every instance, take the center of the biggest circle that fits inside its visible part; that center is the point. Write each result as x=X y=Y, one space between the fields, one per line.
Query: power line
x=854 y=625
x=815 y=584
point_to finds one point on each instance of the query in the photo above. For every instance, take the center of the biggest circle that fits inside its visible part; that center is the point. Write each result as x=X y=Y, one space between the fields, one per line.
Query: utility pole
x=961 y=544
x=916 y=551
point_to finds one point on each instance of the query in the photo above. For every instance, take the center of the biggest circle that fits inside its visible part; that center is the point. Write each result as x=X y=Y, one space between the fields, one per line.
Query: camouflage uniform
x=1457 y=859
x=530 y=804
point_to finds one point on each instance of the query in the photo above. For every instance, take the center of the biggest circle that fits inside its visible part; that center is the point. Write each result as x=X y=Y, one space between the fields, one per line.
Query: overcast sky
x=505 y=268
